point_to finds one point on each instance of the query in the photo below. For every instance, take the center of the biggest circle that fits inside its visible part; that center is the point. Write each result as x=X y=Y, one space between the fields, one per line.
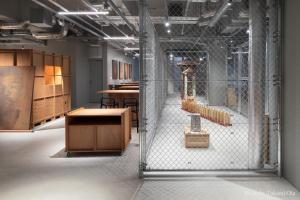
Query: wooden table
x=98 y=130
x=129 y=87
x=119 y=95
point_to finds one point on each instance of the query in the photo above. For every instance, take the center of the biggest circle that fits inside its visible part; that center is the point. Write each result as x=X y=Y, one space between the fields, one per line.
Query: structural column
x=273 y=69
x=257 y=55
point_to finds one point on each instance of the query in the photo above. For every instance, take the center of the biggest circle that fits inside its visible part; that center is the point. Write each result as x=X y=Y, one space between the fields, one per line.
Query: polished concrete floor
x=34 y=166
x=228 y=146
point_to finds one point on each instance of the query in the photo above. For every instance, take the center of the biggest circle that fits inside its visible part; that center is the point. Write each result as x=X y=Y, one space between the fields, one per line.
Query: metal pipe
x=52 y=36
x=91 y=7
x=22 y=25
x=219 y=13
x=66 y=18
x=257 y=55
x=116 y=9
x=185 y=12
x=77 y=17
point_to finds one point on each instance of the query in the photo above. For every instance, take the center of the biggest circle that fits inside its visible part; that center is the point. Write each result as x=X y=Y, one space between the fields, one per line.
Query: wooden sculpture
x=212 y=114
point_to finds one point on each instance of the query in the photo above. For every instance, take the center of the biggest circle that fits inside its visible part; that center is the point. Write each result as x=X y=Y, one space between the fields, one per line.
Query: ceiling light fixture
x=120 y=38
x=248 y=31
x=84 y=13
x=167 y=24
x=168 y=31
x=131 y=48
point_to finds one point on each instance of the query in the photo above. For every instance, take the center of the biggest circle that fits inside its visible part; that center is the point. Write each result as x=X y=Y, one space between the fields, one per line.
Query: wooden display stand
x=98 y=130
x=196 y=139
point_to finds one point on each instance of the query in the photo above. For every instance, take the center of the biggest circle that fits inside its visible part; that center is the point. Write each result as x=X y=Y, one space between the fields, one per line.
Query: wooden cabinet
x=99 y=130
x=108 y=137
x=82 y=138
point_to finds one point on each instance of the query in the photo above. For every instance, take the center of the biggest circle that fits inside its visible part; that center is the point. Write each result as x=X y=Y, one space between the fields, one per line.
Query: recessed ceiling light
x=168 y=31
x=248 y=31
x=167 y=24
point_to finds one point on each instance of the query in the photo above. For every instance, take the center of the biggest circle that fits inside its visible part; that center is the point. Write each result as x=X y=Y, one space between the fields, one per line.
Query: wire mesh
x=227 y=64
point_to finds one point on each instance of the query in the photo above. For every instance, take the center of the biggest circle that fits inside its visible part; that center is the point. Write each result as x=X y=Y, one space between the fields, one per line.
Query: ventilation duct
x=22 y=25
x=52 y=36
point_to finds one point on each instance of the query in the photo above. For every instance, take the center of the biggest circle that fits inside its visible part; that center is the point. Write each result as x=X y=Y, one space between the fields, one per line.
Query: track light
x=84 y=13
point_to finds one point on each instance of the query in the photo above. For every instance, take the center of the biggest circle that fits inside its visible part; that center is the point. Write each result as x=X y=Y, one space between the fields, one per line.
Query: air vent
x=175 y=9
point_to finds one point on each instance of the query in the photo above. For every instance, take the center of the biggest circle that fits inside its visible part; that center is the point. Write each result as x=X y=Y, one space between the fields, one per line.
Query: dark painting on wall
x=115 y=70
x=126 y=72
x=130 y=71
x=121 y=70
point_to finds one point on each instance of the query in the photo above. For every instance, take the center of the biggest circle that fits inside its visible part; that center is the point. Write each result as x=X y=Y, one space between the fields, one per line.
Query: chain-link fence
x=219 y=59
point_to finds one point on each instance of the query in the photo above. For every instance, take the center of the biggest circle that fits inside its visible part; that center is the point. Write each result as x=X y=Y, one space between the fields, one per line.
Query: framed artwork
x=115 y=70
x=130 y=71
x=126 y=72
x=121 y=70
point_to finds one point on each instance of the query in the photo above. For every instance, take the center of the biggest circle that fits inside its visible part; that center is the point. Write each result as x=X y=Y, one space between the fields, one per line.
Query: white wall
x=115 y=54
x=291 y=107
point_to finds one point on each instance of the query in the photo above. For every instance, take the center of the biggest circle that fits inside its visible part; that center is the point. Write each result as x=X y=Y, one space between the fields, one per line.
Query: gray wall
x=291 y=107
x=115 y=54
x=79 y=65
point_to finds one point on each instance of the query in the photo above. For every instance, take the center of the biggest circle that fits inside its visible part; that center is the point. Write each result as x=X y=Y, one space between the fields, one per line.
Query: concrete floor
x=228 y=148
x=33 y=166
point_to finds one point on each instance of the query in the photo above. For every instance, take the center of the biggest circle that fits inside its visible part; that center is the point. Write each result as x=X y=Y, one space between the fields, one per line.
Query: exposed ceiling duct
x=219 y=13
x=21 y=25
x=52 y=36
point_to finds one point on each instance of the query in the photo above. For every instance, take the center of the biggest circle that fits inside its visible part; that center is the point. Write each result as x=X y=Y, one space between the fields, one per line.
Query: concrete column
x=273 y=68
x=217 y=75
x=257 y=55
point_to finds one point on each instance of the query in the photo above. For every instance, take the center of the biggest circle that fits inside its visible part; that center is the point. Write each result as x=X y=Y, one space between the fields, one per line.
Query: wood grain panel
x=49 y=107
x=58 y=60
x=66 y=66
x=38 y=63
x=66 y=85
x=16 y=88
x=6 y=59
x=109 y=137
x=67 y=103
x=58 y=90
x=24 y=58
x=39 y=88
x=59 y=105
x=81 y=137
x=38 y=111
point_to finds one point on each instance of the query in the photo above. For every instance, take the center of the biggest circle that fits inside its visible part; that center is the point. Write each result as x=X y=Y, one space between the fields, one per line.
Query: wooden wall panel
x=66 y=85
x=38 y=110
x=58 y=60
x=66 y=66
x=49 y=59
x=58 y=90
x=39 y=88
x=67 y=103
x=59 y=105
x=6 y=59
x=49 y=107
x=16 y=88
x=38 y=63
x=24 y=58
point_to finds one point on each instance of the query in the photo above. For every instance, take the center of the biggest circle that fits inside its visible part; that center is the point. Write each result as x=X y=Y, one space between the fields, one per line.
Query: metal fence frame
x=276 y=122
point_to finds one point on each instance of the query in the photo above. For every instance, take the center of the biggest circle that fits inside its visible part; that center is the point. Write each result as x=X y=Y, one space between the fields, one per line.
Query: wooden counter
x=119 y=95
x=98 y=130
x=129 y=87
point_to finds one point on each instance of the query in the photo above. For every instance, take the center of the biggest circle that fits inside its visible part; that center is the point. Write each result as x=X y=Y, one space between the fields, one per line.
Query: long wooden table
x=119 y=95
x=129 y=87
x=98 y=130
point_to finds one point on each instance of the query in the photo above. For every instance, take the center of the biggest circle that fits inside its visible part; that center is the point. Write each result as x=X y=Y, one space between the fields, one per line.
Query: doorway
x=95 y=79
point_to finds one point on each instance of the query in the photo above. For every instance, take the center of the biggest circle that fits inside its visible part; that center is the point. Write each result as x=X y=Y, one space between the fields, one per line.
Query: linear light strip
x=84 y=13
